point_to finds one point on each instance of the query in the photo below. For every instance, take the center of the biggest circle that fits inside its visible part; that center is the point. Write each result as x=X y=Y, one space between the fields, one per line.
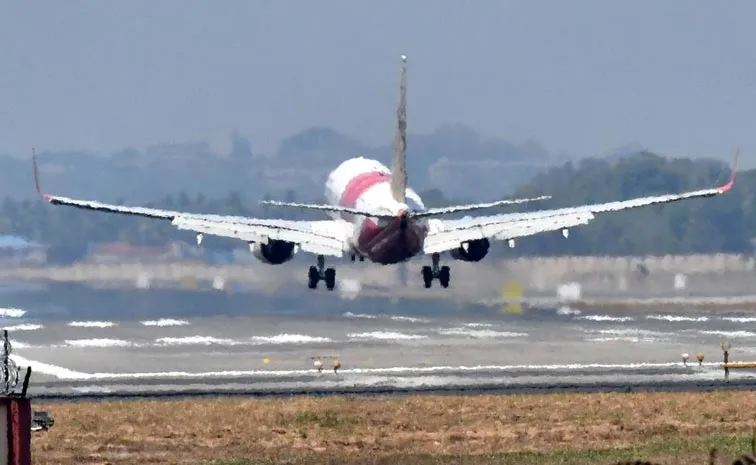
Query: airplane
x=375 y=214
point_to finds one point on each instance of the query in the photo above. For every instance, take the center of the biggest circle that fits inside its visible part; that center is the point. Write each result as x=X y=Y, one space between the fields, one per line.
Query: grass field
x=667 y=428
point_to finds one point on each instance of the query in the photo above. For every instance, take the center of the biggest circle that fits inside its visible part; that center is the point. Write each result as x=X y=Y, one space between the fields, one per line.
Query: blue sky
x=583 y=76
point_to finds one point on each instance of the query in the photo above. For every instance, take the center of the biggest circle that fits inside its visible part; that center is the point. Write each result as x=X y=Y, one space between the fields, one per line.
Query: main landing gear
x=430 y=272
x=321 y=272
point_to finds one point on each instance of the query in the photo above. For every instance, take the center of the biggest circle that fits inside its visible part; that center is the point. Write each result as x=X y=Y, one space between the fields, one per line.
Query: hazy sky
x=579 y=76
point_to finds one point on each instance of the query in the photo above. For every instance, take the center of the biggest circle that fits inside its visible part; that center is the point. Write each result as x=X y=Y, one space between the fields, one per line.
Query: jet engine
x=471 y=251
x=274 y=252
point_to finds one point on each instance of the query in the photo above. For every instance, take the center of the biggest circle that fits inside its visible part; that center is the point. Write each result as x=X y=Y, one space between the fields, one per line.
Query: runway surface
x=415 y=346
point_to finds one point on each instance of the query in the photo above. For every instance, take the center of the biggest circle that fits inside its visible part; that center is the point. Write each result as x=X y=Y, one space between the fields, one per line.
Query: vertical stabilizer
x=398 y=164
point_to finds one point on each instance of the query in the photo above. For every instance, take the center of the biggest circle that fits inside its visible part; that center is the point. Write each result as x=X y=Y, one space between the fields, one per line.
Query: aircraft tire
x=330 y=278
x=313 y=277
x=444 y=275
x=427 y=276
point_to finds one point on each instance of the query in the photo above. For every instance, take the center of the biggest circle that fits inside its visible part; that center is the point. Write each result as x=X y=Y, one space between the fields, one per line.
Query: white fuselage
x=365 y=184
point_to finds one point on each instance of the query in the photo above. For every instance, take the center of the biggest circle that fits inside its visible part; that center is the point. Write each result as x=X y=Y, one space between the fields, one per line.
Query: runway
x=413 y=347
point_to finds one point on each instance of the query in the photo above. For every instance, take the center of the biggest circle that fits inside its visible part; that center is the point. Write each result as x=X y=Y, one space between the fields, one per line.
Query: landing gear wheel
x=313 y=277
x=443 y=273
x=444 y=276
x=427 y=276
x=316 y=273
x=330 y=278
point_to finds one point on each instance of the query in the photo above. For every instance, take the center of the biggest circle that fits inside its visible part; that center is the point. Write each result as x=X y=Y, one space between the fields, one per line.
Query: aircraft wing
x=327 y=237
x=447 y=235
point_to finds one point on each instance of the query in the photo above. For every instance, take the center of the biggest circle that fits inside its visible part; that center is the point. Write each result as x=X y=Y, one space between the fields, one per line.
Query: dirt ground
x=559 y=428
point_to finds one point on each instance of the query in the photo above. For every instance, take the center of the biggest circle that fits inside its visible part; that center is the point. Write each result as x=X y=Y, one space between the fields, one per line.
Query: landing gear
x=316 y=273
x=443 y=273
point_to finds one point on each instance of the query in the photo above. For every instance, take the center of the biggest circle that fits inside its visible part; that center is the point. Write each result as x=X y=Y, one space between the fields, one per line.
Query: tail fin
x=398 y=164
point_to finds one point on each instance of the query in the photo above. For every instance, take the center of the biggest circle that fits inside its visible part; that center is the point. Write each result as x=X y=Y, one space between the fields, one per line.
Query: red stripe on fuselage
x=359 y=185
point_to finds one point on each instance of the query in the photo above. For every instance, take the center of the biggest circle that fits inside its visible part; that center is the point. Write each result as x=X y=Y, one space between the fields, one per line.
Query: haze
x=582 y=77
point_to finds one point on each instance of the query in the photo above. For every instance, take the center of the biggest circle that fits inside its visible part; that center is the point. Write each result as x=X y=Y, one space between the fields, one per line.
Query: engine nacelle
x=274 y=252
x=471 y=251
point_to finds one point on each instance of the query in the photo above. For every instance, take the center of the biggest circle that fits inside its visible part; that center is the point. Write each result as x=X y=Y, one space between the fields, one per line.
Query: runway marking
x=568 y=311
x=390 y=317
x=620 y=339
x=479 y=333
x=385 y=335
x=67 y=374
x=254 y=340
x=632 y=332
x=676 y=318
x=12 y=312
x=19 y=344
x=102 y=342
x=196 y=340
x=48 y=369
x=605 y=318
x=23 y=327
x=409 y=319
x=358 y=315
x=740 y=319
x=91 y=324
x=287 y=338
x=165 y=322
x=730 y=333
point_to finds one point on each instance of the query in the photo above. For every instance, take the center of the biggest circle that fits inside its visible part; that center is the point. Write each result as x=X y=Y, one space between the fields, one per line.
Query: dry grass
x=567 y=428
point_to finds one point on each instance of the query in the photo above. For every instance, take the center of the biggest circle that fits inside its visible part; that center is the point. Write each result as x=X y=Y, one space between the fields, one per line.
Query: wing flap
x=318 y=237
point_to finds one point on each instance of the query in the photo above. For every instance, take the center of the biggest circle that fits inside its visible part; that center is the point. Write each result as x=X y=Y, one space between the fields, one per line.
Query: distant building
x=19 y=250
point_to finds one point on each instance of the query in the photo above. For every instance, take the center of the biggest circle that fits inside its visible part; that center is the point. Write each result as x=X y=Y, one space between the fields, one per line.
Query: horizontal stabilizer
x=476 y=206
x=331 y=208
x=390 y=215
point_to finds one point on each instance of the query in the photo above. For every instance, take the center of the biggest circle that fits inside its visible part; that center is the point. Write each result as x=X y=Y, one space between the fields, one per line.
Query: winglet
x=36 y=175
x=733 y=171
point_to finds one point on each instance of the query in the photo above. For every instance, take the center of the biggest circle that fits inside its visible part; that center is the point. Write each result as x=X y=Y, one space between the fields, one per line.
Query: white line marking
x=91 y=324
x=23 y=327
x=165 y=322
x=605 y=318
x=66 y=374
x=12 y=312
x=676 y=318
x=102 y=342
x=385 y=335
x=48 y=369
x=195 y=340
x=740 y=319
